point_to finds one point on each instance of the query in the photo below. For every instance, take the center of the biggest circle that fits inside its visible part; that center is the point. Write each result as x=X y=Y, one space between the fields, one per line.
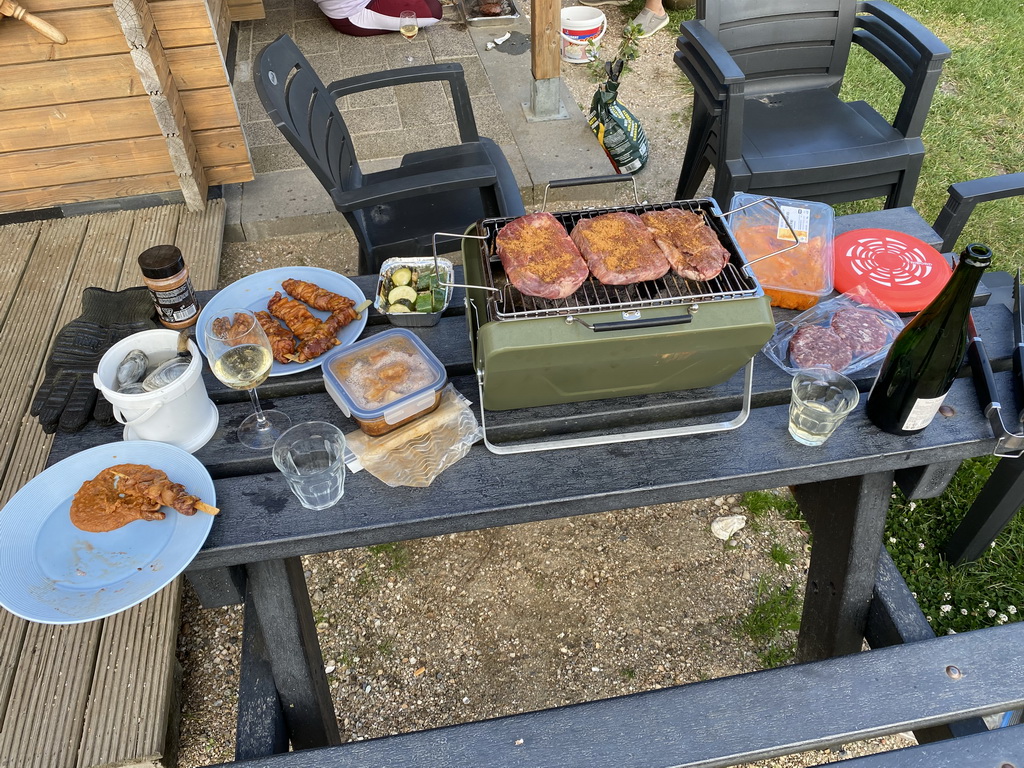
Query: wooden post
x=148 y=54
x=545 y=26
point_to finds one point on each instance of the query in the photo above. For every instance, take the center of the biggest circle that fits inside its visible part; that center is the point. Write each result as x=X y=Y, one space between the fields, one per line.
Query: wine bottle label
x=922 y=413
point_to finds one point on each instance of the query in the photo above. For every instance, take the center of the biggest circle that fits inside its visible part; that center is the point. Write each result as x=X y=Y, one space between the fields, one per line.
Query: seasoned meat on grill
x=619 y=249
x=689 y=244
x=539 y=258
x=814 y=345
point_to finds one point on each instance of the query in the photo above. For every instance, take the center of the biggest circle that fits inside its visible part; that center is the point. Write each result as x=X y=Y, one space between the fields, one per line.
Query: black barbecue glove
x=67 y=397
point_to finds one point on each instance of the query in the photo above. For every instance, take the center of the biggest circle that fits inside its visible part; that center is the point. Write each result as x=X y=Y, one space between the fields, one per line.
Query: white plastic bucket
x=180 y=413
x=581 y=26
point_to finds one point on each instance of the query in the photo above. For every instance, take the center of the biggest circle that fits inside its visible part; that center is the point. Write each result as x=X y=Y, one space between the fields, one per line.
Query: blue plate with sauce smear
x=254 y=291
x=54 y=573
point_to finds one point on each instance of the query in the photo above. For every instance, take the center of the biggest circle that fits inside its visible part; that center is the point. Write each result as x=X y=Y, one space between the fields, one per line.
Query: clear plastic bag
x=415 y=454
x=778 y=347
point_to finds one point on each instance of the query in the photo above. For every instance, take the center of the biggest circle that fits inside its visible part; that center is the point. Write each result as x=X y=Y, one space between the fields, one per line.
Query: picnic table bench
x=843 y=489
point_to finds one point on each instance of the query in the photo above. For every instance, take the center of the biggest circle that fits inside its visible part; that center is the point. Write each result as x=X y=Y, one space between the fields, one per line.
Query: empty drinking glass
x=311 y=458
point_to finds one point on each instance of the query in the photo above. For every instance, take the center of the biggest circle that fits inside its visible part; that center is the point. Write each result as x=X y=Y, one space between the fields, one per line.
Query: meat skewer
x=315 y=337
x=316 y=297
x=282 y=342
x=124 y=493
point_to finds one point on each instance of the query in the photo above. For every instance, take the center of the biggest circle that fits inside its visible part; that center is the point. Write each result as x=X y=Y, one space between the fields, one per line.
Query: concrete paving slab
x=286 y=199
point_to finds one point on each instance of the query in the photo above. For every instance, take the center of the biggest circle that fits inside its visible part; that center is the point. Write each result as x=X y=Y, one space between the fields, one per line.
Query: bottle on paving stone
x=925 y=357
x=165 y=274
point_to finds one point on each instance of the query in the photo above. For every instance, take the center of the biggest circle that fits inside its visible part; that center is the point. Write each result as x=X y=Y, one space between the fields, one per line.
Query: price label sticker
x=800 y=221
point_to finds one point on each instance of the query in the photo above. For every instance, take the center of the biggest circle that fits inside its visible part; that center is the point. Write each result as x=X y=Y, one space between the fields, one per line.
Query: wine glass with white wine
x=240 y=356
x=409 y=26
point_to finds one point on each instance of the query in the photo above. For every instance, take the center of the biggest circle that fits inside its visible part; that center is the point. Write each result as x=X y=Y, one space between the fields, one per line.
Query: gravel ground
x=440 y=631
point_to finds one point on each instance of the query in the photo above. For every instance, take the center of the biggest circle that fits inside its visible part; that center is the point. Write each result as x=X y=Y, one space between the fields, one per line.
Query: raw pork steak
x=539 y=258
x=689 y=244
x=618 y=248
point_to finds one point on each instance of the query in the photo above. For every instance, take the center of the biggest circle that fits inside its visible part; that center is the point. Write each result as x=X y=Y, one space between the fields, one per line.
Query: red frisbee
x=904 y=273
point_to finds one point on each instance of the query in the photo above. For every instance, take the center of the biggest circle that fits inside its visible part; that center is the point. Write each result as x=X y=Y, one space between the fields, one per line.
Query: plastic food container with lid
x=796 y=278
x=385 y=381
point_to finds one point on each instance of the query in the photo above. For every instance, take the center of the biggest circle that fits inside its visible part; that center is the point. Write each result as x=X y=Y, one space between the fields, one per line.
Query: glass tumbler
x=311 y=458
x=821 y=400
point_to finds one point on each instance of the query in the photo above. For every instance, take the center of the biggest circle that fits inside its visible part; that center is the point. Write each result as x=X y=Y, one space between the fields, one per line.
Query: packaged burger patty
x=844 y=333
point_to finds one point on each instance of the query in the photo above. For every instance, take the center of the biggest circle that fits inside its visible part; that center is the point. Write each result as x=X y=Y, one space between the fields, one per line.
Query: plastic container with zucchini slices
x=385 y=381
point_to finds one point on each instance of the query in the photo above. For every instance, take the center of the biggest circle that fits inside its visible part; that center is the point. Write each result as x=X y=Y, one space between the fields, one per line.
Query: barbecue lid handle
x=628 y=323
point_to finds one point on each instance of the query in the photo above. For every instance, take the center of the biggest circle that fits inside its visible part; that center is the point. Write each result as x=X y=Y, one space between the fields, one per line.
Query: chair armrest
x=413 y=186
x=718 y=82
x=452 y=73
x=965 y=195
x=910 y=51
x=716 y=72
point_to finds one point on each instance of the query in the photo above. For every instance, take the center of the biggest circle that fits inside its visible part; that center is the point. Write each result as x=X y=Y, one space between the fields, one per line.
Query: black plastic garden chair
x=393 y=212
x=766 y=110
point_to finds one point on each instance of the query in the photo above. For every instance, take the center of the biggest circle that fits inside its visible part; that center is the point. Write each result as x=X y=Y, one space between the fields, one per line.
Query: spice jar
x=165 y=274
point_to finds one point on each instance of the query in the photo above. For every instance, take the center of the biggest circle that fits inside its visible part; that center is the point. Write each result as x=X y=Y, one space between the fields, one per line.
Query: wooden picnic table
x=843 y=488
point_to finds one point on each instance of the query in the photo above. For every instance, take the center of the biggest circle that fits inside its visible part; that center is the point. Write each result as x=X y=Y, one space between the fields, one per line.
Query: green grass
x=974 y=125
x=983 y=593
x=772 y=622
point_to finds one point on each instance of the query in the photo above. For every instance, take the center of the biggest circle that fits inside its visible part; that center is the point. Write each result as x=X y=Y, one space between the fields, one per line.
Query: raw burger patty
x=814 y=345
x=862 y=329
x=539 y=258
x=619 y=249
x=689 y=244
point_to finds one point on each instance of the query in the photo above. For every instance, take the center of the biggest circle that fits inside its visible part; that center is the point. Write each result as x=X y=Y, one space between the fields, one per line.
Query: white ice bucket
x=180 y=413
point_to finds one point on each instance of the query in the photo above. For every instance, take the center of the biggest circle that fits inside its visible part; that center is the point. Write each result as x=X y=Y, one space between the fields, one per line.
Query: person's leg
x=382 y=16
x=652 y=18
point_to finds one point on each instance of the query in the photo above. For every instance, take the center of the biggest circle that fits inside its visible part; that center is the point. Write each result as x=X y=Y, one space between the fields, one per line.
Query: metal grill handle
x=586 y=182
x=773 y=201
x=631 y=320
x=438 y=271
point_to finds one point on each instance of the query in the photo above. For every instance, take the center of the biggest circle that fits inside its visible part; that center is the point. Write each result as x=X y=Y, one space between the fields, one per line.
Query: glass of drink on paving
x=820 y=401
x=409 y=26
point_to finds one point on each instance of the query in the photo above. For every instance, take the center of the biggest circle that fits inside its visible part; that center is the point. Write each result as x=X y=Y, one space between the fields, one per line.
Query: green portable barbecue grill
x=611 y=341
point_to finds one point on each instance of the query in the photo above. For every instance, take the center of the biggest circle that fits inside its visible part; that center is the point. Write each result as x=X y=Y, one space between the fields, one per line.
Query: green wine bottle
x=924 y=358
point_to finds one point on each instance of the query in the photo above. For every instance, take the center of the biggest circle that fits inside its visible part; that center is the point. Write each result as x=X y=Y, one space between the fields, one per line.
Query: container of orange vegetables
x=788 y=244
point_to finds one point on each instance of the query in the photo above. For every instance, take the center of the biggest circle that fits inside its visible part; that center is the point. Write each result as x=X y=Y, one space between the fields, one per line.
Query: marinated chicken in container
x=124 y=493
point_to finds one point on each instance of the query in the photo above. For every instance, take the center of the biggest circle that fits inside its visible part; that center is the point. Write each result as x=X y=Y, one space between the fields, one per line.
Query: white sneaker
x=649 y=22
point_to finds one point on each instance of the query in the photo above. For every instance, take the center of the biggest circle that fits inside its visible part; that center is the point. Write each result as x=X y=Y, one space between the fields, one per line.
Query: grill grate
x=507 y=303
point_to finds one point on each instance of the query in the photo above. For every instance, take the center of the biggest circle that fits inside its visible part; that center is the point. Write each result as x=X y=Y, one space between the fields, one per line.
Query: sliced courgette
x=401 y=276
x=439 y=296
x=400 y=292
x=398 y=308
x=424 y=302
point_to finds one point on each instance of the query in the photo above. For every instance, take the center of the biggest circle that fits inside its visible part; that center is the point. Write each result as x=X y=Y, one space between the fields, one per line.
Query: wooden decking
x=100 y=693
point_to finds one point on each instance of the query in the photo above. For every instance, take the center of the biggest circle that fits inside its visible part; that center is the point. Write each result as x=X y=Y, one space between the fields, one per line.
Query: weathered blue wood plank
x=730 y=720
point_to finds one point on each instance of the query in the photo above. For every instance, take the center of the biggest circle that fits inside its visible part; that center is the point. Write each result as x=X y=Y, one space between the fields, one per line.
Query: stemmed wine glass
x=240 y=356
x=409 y=26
